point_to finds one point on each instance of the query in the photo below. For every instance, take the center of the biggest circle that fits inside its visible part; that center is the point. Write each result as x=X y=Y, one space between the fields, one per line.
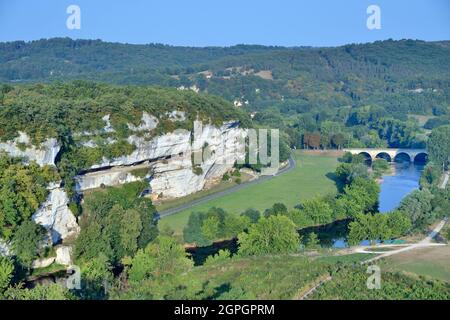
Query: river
x=394 y=187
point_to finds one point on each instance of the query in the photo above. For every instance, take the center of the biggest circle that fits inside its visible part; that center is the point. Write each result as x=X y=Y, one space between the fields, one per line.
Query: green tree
x=253 y=214
x=300 y=219
x=439 y=146
x=312 y=241
x=52 y=291
x=365 y=192
x=234 y=224
x=221 y=256
x=317 y=210
x=6 y=273
x=162 y=258
x=115 y=222
x=27 y=242
x=277 y=208
x=96 y=277
x=211 y=228
x=192 y=232
x=338 y=140
x=399 y=223
x=360 y=229
x=347 y=207
x=272 y=235
x=417 y=206
x=22 y=189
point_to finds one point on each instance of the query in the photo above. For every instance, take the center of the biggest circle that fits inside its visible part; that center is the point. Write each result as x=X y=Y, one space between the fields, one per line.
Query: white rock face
x=63 y=255
x=55 y=215
x=148 y=122
x=176 y=178
x=44 y=154
x=42 y=263
x=111 y=177
x=158 y=147
x=170 y=161
x=176 y=115
x=108 y=127
x=5 y=249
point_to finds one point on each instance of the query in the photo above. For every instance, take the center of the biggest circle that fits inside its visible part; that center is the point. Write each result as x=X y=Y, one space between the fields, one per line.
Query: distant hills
x=406 y=76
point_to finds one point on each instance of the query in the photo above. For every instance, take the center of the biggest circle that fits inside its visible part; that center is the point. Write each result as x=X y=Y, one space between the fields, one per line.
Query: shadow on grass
x=200 y=254
x=333 y=177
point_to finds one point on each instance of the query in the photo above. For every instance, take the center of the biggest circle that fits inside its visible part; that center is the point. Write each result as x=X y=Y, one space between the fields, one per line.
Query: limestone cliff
x=43 y=154
x=169 y=161
x=55 y=215
x=165 y=160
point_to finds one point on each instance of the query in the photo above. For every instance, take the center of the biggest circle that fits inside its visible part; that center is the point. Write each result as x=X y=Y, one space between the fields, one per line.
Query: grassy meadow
x=313 y=176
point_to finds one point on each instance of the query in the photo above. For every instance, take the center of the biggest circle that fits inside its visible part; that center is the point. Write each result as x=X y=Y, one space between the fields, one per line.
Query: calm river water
x=394 y=188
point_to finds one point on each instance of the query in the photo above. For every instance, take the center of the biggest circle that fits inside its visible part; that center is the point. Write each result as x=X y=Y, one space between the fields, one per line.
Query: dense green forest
x=350 y=96
x=294 y=79
x=62 y=109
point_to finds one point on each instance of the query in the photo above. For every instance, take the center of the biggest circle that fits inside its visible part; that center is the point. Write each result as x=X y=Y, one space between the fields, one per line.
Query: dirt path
x=426 y=242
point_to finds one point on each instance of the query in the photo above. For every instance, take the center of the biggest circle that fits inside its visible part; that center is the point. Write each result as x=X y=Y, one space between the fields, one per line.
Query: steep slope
x=99 y=135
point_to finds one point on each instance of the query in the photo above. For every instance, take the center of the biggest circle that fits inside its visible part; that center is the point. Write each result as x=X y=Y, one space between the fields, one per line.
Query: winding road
x=291 y=165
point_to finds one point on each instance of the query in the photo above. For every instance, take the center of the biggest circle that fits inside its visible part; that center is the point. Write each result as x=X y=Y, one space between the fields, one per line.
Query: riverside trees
x=439 y=146
x=273 y=235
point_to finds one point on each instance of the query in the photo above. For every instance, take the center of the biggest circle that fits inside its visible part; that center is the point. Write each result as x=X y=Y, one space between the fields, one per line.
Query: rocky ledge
x=43 y=154
x=55 y=215
x=169 y=160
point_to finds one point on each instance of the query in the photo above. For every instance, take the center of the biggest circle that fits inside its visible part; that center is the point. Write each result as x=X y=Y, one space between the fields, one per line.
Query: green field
x=312 y=176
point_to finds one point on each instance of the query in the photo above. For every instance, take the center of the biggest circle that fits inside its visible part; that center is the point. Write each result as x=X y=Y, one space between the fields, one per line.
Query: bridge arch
x=421 y=157
x=403 y=157
x=384 y=155
x=366 y=155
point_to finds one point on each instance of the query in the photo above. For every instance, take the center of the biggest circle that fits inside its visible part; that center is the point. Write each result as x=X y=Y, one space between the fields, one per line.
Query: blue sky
x=227 y=22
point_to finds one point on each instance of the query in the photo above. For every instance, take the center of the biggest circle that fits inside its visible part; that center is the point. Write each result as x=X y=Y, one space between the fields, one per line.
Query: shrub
x=221 y=256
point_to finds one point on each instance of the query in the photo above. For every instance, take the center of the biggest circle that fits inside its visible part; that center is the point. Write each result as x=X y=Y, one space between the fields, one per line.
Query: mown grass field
x=313 y=176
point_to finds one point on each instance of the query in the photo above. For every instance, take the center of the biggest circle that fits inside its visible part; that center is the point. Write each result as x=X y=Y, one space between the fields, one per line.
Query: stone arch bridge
x=391 y=154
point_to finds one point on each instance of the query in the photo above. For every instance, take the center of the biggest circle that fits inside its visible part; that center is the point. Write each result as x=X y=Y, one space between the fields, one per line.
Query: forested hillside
x=403 y=76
